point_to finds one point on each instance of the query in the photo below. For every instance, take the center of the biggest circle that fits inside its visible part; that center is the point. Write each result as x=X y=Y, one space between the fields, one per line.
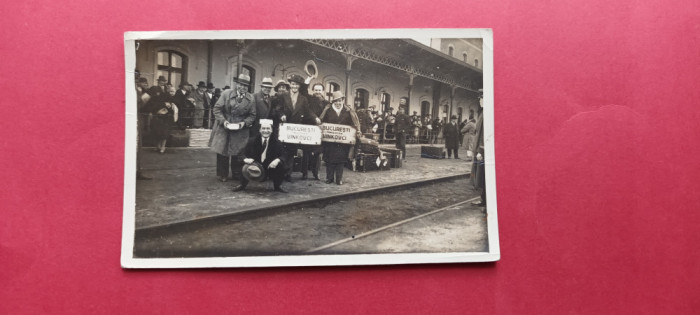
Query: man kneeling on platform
x=264 y=158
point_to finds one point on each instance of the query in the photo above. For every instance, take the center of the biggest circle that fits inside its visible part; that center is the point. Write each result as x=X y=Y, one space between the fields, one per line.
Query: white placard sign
x=300 y=134
x=338 y=133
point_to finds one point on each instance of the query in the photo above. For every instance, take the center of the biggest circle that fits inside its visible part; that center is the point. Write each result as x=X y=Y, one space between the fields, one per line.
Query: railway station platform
x=184 y=187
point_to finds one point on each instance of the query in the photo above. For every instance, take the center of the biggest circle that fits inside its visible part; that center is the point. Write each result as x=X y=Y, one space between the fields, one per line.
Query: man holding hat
x=336 y=154
x=263 y=105
x=264 y=158
x=234 y=113
x=451 y=134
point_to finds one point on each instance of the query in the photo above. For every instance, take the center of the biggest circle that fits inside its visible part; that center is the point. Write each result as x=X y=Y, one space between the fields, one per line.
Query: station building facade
x=438 y=79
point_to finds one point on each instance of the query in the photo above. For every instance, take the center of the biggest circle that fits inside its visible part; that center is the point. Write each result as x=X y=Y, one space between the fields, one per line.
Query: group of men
x=246 y=127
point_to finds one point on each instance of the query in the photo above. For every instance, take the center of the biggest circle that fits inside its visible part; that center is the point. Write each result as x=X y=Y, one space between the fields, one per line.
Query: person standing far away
x=199 y=99
x=234 y=113
x=401 y=127
x=268 y=152
x=165 y=115
x=452 y=135
x=263 y=105
x=468 y=133
x=336 y=154
x=208 y=103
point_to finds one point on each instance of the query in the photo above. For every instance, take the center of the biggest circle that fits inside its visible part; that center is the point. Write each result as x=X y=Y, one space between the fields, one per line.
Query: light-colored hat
x=265 y=122
x=243 y=79
x=266 y=82
x=281 y=82
x=253 y=172
x=337 y=95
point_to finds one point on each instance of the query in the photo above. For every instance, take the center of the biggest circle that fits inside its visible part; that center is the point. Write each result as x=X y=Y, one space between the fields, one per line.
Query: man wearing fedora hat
x=262 y=105
x=336 y=154
x=158 y=90
x=266 y=152
x=234 y=113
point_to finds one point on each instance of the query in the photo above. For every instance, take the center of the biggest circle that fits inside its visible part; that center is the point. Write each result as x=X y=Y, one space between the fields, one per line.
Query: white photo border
x=129 y=217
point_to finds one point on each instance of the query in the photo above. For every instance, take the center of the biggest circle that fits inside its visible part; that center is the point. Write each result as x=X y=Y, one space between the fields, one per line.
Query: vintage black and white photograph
x=309 y=147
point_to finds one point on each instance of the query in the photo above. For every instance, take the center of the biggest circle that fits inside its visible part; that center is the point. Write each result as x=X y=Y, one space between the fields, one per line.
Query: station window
x=251 y=73
x=361 y=98
x=451 y=51
x=476 y=63
x=386 y=102
x=330 y=88
x=464 y=56
x=173 y=66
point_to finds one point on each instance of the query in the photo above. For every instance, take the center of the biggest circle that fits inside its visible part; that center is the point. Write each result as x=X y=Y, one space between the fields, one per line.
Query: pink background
x=596 y=120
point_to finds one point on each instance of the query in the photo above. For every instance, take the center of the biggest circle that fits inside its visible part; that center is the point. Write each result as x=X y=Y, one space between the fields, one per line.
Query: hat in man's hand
x=254 y=172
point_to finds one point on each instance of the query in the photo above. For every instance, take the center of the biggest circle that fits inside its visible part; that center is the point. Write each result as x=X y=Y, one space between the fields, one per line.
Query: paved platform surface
x=184 y=185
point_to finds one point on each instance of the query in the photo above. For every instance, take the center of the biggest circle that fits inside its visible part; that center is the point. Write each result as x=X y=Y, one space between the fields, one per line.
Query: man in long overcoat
x=336 y=154
x=452 y=135
x=234 y=113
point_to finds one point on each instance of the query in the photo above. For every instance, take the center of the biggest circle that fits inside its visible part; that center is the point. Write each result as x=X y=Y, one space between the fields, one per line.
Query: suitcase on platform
x=367 y=162
x=368 y=146
x=393 y=157
x=432 y=152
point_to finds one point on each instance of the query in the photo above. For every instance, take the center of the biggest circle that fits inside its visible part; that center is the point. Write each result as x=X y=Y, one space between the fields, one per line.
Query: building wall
x=471 y=46
x=265 y=55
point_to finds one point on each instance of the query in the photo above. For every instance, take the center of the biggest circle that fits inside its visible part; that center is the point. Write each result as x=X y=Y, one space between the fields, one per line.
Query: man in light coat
x=234 y=113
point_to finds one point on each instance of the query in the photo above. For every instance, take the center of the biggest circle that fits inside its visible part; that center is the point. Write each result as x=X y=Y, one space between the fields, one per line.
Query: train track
x=310 y=227
x=386 y=227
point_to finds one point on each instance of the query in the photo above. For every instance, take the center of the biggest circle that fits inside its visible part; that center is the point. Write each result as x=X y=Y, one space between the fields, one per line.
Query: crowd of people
x=244 y=126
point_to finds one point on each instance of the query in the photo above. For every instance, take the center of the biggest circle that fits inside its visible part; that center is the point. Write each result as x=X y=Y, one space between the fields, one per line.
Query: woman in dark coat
x=336 y=154
x=165 y=114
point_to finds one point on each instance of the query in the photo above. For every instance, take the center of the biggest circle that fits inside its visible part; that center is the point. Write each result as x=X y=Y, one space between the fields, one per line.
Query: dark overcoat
x=336 y=152
x=229 y=109
x=262 y=110
x=300 y=113
x=451 y=135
